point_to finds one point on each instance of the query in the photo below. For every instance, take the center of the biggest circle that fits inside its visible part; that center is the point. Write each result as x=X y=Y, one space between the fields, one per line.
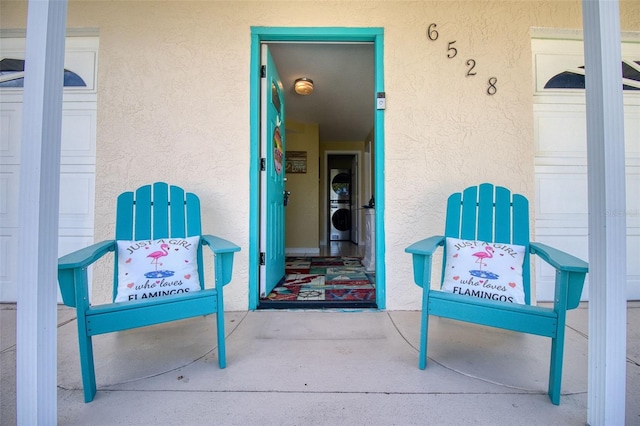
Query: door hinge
x=263 y=164
x=262 y=258
x=263 y=71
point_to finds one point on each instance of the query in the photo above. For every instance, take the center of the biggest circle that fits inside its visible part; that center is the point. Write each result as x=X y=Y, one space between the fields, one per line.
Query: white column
x=607 y=223
x=38 y=213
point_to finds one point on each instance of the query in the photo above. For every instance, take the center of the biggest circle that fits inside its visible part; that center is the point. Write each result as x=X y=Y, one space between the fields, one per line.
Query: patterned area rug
x=328 y=279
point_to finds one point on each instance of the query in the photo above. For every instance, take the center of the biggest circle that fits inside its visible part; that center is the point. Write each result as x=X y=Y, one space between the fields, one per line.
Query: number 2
x=472 y=64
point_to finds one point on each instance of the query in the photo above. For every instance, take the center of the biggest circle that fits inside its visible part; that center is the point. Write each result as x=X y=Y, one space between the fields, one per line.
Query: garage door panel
x=561 y=133
x=633 y=200
x=632 y=134
x=8 y=262
x=77 y=199
x=68 y=244
x=633 y=266
x=545 y=274
x=9 y=179
x=548 y=62
x=570 y=200
x=81 y=58
x=10 y=128
x=78 y=134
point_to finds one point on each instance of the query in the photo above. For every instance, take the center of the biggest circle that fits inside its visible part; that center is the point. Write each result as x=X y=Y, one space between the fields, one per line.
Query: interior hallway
x=342 y=248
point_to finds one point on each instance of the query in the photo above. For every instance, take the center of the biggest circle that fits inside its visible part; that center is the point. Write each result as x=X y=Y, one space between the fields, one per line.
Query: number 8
x=492 y=89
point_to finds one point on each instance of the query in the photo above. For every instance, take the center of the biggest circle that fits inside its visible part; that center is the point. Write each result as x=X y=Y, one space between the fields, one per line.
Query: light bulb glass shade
x=303 y=86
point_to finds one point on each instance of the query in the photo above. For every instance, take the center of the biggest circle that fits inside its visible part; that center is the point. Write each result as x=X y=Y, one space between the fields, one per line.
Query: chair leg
x=555 y=369
x=87 y=367
x=222 y=353
x=424 y=329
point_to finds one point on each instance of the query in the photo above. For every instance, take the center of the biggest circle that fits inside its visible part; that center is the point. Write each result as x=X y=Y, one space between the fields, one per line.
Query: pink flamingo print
x=481 y=255
x=156 y=255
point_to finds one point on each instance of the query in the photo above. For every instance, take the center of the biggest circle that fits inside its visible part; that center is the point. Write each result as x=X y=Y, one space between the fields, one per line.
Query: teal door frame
x=314 y=34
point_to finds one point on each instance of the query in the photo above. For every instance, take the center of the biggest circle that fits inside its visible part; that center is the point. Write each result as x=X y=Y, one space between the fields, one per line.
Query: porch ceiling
x=342 y=103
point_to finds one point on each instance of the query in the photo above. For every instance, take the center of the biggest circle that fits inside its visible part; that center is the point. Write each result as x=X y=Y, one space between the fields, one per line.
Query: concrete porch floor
x=320 y=367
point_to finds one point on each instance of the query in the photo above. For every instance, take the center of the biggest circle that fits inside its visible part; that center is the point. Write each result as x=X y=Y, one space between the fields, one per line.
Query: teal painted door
x=272 y=179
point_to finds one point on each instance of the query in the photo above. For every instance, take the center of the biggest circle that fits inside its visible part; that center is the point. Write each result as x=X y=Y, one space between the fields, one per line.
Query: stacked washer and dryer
x=340 y=204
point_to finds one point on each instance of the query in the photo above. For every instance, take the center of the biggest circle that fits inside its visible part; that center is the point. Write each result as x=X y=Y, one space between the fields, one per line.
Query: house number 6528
x=452 y=52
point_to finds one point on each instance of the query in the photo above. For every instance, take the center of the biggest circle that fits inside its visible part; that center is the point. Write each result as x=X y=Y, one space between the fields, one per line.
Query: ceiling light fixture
x=303 y=86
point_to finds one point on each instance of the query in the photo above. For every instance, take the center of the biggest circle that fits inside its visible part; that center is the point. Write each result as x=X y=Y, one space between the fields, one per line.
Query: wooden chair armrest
x=421 y=253
x=223 y=251
x=72 y=269
x=87 y=255
x=559 y=259
x=427 y=246
x=570 y=276
x=219 y=245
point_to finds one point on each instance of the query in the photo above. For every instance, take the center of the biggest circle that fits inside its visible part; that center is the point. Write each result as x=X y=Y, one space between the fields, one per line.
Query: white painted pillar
x=36 y=363
x=607 y=222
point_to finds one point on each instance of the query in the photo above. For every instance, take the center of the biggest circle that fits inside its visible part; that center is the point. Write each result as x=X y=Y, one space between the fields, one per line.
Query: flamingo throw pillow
x=148 y=269
x=485 y=270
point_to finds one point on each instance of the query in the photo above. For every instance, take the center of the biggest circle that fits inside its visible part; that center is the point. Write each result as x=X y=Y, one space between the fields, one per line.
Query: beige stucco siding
x=173 y=105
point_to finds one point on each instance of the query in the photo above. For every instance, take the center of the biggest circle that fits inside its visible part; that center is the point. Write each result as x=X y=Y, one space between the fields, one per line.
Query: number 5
x=452 y=51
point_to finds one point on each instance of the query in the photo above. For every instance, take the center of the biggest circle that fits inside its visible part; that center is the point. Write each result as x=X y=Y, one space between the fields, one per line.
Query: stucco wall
x=173 y=105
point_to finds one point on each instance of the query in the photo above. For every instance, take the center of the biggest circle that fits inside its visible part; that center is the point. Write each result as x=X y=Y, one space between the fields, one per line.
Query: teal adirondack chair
x=152 y=212
x=493 y=214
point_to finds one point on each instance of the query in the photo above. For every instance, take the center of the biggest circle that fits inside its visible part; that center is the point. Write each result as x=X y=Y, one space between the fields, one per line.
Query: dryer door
x=340 y=185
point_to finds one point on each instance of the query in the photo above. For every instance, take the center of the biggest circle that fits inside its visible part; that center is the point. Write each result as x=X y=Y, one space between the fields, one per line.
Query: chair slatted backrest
x=158 y=211
x=491 y=214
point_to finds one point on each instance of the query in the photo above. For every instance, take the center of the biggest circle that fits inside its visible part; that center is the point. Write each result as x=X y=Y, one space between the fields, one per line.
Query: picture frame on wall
x=296 y=162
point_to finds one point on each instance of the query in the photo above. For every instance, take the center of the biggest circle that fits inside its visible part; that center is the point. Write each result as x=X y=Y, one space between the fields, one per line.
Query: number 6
x=432 y=33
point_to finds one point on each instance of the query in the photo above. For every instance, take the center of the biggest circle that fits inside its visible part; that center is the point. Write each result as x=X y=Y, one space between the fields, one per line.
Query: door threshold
x=316 y=304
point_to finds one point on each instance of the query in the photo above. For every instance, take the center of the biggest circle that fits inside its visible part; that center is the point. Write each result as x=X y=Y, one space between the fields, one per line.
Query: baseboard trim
x=302 y=250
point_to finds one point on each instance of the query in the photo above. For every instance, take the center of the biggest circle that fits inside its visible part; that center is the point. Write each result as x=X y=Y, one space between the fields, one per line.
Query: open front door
x=272 y=190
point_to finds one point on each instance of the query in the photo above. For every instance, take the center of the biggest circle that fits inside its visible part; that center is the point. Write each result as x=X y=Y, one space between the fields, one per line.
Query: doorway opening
x=314 y=163
x=342 y=197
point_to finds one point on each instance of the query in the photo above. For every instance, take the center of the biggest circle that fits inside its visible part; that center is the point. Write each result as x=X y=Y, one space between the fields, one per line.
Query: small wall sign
x=296 y=162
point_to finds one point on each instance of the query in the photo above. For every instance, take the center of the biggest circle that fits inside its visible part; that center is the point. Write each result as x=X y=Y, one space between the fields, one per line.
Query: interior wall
x=369 y=162
x=302 y=220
